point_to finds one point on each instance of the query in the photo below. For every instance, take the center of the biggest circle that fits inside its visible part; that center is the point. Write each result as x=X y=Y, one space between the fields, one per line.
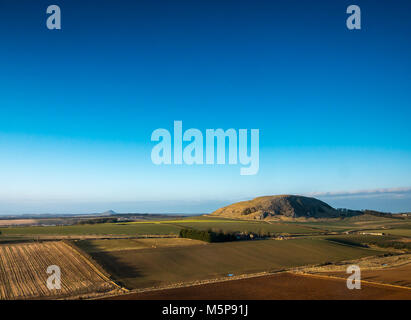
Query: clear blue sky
x=78 y=105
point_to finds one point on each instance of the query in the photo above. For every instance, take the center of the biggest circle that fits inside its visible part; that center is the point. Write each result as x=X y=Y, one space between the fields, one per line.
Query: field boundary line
x=94 y=267
x=341 y=278
x=199 y=282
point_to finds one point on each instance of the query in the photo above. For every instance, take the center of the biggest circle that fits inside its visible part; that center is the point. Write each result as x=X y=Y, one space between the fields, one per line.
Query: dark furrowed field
x=163 y=266
x=283 y=286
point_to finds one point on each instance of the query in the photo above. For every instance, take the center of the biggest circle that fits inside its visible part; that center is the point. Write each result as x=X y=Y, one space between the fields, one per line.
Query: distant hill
x=283 y=207
x=108 y=213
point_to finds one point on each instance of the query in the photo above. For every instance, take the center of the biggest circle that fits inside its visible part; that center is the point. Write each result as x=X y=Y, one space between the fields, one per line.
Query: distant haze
x=388 y=200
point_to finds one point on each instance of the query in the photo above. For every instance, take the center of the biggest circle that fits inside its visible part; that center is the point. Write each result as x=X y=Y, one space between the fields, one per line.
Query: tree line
x=207 y=236
x=221 y=236
x=98 y=220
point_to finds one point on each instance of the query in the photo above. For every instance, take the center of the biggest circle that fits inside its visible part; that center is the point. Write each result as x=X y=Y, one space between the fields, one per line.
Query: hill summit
x=280 y=207
x=108 y=213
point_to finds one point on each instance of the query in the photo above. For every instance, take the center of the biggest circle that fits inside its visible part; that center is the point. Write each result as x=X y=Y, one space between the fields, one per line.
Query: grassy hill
x=283 y=207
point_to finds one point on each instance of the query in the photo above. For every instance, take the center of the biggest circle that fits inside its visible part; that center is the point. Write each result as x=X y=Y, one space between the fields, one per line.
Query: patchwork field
x=161 y=227
x=23 y=271
x=141 y=268
x=284 y=286
x=148 y=254
x=173 y=226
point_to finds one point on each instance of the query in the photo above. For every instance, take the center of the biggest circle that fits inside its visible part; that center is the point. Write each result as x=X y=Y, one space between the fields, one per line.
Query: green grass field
x=161 y=266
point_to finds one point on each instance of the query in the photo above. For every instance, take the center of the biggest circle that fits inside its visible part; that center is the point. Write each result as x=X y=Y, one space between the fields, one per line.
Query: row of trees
x=208 y=236
x=98 y=220
x=222 y=236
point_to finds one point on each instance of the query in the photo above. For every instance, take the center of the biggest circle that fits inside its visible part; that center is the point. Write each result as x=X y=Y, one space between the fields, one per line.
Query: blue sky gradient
x=78 y=105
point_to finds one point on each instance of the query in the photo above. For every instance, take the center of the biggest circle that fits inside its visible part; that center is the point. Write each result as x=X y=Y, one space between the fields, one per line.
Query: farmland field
x=400 y=275
x=173 y=226
x=358 y=223
x=23 y=271
x=161 y=227
x=162 y=266
x=133 y=244
x=396 y=232
x=147 y=254
x=95 y=229
x=274 y=287
x=16 y=222
x=247 y=226
x=384 y=241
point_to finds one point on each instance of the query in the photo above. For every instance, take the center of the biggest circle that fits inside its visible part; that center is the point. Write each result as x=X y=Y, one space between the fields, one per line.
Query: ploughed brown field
x=282 y=286
x=23 y=271
x=400 y=276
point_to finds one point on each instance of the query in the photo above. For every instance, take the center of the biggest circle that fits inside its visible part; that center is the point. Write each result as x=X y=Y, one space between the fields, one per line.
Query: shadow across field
x=161 y=266
x=113 y=264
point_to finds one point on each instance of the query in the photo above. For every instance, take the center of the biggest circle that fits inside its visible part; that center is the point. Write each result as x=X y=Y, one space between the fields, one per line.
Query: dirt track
x=283 y=286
